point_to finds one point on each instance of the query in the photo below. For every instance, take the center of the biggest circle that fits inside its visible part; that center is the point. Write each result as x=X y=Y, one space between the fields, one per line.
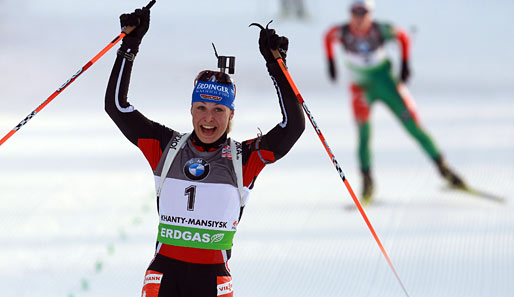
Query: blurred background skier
x=363 y=41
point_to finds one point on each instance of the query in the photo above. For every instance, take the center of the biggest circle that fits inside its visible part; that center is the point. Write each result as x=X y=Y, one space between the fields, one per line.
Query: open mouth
x=208 y=130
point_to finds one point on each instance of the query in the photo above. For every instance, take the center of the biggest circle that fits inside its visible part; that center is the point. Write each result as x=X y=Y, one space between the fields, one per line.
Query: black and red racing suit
x=151 y=138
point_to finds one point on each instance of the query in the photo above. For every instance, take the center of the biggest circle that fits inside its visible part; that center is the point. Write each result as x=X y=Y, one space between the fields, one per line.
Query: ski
x=480 y=194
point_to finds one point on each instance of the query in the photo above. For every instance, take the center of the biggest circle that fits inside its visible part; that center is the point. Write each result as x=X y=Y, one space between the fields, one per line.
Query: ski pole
x=283 y=67
x=124 y=33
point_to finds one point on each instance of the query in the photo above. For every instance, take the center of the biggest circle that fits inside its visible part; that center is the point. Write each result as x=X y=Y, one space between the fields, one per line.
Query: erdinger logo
x=196 y=169
x=215 y=87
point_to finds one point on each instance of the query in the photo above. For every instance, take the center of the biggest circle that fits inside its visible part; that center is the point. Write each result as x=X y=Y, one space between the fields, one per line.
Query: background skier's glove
x=405 y=71
x=269 y=39
x=332 y=69
x=139 y=18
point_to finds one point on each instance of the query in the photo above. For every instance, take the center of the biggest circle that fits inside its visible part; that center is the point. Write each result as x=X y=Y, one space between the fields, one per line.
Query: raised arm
x=149 y=136
x=275 y=144
x=279 y=140
x=284 y=135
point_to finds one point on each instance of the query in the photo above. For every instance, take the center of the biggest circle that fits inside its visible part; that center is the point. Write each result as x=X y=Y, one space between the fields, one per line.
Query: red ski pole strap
x=195 y=237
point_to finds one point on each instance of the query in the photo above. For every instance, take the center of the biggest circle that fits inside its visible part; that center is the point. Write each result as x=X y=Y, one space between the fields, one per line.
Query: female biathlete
x=203 y=178
x=363 y=41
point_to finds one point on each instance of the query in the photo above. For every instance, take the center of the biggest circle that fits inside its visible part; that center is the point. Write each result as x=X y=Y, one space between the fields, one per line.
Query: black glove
x=332 y=70
x=405 y=71
x=269 y=39
x=139 y=18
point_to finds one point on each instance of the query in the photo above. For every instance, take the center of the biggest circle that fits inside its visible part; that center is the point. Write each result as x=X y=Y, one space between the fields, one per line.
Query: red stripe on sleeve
x=403 y=38
x=253 y=167
x=152 y=150
x=330 y=38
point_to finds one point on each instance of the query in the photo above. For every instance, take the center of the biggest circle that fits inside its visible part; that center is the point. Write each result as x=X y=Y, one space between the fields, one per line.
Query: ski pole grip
x=129 y=29
x=276 y=54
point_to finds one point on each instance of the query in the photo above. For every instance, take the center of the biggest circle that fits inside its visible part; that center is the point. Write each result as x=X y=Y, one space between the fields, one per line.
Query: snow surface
x=77 y=213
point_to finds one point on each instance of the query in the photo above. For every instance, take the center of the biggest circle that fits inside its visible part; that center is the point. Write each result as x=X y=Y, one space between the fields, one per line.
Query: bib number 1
x=190 y=192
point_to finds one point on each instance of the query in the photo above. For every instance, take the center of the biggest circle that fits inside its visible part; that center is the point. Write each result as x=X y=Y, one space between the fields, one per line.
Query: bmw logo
x=196 y=169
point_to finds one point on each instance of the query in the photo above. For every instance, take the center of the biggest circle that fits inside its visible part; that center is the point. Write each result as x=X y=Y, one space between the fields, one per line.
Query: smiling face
x=210 y=120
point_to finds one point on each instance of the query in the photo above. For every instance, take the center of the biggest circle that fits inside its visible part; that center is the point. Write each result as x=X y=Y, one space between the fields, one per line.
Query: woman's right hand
x=140 y=18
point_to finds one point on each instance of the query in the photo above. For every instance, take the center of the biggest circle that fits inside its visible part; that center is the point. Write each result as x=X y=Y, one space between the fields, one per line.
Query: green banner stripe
x=195 y=237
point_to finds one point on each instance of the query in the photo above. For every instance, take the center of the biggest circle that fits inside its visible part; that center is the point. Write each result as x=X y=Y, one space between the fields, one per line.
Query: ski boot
x=367 y=188
x=453 y=179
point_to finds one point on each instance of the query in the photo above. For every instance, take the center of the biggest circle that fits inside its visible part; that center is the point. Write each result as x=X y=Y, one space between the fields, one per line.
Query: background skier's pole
x=277 y=56
x=125 y=32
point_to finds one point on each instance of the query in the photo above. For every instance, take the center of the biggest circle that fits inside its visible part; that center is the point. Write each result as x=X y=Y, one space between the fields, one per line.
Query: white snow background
x=77 y=209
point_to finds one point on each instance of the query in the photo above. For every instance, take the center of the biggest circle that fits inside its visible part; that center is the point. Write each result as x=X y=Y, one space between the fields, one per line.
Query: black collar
x=208 y=146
